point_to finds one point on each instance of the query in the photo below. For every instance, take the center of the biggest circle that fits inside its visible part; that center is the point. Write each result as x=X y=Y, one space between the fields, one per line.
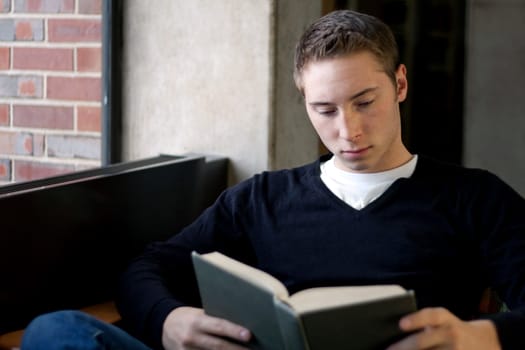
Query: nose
x=350 y=126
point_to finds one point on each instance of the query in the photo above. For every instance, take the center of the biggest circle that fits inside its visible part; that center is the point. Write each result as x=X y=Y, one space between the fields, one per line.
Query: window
x=50 y=87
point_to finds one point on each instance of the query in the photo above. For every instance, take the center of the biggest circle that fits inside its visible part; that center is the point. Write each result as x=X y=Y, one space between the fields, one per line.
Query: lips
x=356 y=151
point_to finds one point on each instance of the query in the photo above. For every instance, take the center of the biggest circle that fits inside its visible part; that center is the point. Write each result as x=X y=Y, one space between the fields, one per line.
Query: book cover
x=360 y=317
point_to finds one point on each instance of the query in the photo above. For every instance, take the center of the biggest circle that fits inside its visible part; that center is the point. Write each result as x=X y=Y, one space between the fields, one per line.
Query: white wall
x=214 y=77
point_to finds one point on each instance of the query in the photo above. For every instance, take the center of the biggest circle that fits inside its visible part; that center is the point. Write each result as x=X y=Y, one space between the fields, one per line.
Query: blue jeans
x=76 y=330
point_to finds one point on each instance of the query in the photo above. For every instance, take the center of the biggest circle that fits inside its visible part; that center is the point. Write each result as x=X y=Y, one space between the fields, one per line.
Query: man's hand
x=437 y=328
x=191 y=328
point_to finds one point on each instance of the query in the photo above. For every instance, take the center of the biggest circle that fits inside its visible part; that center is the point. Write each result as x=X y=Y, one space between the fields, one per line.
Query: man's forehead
x=352 y=72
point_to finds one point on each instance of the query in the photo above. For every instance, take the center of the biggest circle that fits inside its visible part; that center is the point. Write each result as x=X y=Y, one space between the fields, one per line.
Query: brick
x=8 y=85
x=5 y=6
x=5 y=170
x=90 y=7
x=56 y=59
x=76 y=88
x=38 y=145
x=73 y=147
x=17 y=143
x=89 y=119
x=4 y=115
x=45 y=6
x=24 y=31
x=89 y=59
x=20 y=86
x=6 y=143
x=75 y=30
x=28 y=170
x=29 y=86
x=24 y=144
x=7 y=29
x=47 y=117
x=29 y=29
x=4 y=57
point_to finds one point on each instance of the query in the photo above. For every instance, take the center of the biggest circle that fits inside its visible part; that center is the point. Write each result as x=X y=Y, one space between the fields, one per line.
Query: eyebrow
x=353 y=97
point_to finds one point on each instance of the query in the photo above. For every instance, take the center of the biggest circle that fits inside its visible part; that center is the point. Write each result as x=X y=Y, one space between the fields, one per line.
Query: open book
x=353 y=317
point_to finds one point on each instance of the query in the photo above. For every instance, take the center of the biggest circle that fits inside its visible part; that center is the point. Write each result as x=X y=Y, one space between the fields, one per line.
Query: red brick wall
x=50 y=87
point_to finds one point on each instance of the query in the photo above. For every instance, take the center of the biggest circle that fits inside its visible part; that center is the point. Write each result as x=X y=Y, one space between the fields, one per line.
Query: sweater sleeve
x=500 y=217
x=510 y=326
x=162 y=278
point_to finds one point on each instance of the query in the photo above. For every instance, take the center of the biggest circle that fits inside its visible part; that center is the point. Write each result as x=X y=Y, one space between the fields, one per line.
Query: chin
x=356 y=167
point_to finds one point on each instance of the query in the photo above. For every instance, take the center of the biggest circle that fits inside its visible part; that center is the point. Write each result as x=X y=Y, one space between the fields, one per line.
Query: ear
x=402 y=83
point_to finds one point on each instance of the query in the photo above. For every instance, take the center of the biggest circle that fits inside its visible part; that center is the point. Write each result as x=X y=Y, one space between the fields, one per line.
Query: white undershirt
x=360 y=189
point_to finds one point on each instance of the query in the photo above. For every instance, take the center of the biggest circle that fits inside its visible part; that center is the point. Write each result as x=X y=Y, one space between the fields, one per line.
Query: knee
x=47 y=328
x=54 y=321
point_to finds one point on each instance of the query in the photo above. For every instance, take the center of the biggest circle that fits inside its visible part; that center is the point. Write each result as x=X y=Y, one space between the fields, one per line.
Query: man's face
x=354 y=107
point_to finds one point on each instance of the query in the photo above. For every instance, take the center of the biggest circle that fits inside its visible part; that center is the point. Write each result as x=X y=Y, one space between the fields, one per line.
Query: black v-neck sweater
x=446 y=232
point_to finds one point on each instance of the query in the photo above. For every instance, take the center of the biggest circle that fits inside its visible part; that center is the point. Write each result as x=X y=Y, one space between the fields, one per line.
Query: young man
x=370 y=212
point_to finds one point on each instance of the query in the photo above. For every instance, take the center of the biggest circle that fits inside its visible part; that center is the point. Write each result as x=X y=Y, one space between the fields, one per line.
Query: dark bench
x=65 y=239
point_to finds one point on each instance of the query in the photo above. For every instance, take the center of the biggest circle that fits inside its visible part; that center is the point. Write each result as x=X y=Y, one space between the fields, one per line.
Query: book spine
x=291 y=326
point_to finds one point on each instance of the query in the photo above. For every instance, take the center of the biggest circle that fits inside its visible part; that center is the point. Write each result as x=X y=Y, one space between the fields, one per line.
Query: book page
x=326 y=297
x=248 y=273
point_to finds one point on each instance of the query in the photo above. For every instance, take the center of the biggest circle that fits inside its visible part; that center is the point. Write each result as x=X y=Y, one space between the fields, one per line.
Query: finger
x=213 y=342
x=224 y=328
x=428 y=317
x=205 y=341
x=428 y=338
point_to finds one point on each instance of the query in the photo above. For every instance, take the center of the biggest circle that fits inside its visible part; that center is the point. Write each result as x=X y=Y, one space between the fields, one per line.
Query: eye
x=364 y=104
x=327 y=112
